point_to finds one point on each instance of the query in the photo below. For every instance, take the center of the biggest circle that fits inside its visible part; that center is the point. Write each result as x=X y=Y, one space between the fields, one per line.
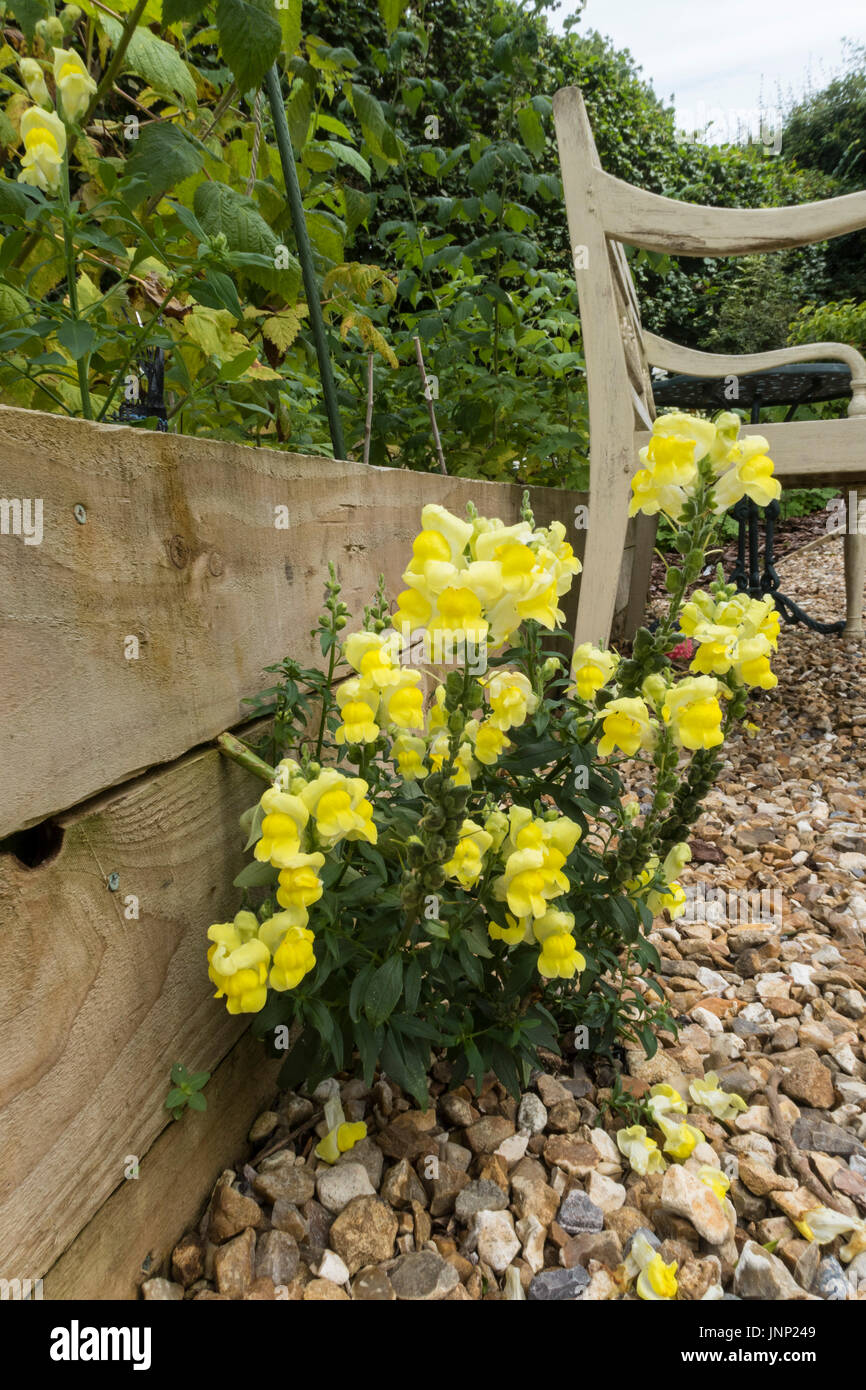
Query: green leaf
x=384 y=989
x=255 y=826
x=250 y=39
x=77 y=337
x=179 y=1073
x=222 y=209
x=176 y=1097
x=391 y=12
x=175 y=10
x=289 y=19
x=158 y=62
x=14 y=306
x=256 y=875
x=28 y=13
x=412 y=984
x=345 y=154
x=531 y=131
x=197 y=1101
x=368 y=1041
x=164 y=155
x=358 y=991
x=198 y=1079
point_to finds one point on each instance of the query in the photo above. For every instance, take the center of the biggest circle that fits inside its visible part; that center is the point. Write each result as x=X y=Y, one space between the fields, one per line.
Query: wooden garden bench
x=604 y=213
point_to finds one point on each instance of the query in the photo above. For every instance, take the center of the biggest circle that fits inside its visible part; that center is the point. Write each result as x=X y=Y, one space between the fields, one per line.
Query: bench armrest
x=663 y=224
x=660 y=352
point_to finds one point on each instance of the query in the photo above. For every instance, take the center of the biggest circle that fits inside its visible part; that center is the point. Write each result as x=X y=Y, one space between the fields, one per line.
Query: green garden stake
x=305 y=255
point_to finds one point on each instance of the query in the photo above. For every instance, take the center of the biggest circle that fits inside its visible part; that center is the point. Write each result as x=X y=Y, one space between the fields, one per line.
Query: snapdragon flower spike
x=340 y=1136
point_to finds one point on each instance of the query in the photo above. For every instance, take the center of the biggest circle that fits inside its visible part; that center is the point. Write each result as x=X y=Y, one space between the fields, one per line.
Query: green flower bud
x=50 y=31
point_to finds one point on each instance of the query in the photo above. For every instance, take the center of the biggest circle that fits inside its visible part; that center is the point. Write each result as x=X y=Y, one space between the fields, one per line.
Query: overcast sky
x=725 y=54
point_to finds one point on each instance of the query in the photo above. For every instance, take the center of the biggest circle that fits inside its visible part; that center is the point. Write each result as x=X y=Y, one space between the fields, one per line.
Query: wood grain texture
x=95 y=1008
x=179 y=550
x=132 y=1235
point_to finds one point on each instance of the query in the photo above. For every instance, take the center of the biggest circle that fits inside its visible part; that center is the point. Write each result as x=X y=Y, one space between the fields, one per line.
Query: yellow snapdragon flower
x=532 y=877
x=728 y=427
x=822 y=1225
x=717 y=649
x=300 y=886
x=515 y=930
x=717 y=1181
x=293 y=959
x=34 y=80
x=371 y=655
x=496 y=825
x=44 y=137
x=680 y=1137
x=651 y=497
x=626 y=725
x=592 y=668
x=559 y=957
x=511 y=698
x=74 y=84
x=286 y=816
x=238 y=964
x=467 y=862
x=642 y=1152
x=407 y=753
x=671 y=459
x=358 y=704
x=657 y=1280
x=339 y=807
x=694 y=712
x=698 y=611
x=751 y=475
x=413 y=610
x=403 y=702
x=753 y=663
x=676 y=424
x=663 y=1099
x=340 y=1140
x=724 y=1105
x=489 y=742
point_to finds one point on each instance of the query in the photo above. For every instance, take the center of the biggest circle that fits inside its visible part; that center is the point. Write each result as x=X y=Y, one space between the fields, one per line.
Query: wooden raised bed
x=106 y=760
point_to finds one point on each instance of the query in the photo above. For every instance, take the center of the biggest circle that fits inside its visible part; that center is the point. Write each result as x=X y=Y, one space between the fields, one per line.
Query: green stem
x=326 y=698
x=245 y=757
x=81 y=363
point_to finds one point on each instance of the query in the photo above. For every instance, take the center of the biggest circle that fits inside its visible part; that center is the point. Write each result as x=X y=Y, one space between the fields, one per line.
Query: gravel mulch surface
x=485 y=1197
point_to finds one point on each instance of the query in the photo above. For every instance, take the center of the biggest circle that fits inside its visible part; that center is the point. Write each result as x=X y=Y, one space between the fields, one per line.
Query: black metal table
x=793 y=385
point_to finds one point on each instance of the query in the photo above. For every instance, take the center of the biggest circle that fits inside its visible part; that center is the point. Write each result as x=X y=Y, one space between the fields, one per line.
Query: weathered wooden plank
x=179 y=551
x=95 y=1007
x=132 y=1235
